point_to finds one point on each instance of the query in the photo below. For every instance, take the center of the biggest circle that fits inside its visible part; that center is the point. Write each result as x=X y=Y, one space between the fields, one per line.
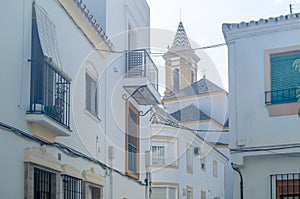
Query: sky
x=203 y=19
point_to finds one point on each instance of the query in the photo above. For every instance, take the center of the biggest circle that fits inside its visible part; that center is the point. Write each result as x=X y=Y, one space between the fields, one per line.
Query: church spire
x=181 y=38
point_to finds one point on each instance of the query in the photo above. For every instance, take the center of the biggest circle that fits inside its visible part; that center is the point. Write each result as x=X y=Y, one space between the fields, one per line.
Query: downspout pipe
x=241 y=180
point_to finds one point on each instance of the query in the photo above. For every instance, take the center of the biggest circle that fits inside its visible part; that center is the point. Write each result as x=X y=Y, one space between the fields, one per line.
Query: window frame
x=158 y=140
x=202 y=194
x=133 y=174
x=189 y=188
x=176 y=79
x=87 y=190
x=69 y=192
x=29 y=180
x=167 y=185
x=189 y=149
x=89 y=80
x=280 y=109
x=215 y=168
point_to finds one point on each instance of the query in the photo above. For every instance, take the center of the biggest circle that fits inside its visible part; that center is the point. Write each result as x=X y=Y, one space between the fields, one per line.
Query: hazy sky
x=203 y=20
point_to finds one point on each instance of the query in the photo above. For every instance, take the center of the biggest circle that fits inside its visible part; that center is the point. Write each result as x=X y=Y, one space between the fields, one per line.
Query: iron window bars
x=72 y=187
x=42 y=184
x=285 y=186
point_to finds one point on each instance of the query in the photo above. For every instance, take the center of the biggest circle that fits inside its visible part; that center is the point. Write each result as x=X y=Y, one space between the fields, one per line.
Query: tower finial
x=180 y=13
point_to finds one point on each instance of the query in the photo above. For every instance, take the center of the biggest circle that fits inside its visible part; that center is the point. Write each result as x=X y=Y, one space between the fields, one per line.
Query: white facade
x=79 y=149
x=264 y=137
x=178 y=173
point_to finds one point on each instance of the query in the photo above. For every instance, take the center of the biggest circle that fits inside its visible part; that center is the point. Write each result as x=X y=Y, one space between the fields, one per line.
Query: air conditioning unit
x=197 y=151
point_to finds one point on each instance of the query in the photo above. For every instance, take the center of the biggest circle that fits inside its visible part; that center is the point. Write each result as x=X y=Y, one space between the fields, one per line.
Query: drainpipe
x=241 y=180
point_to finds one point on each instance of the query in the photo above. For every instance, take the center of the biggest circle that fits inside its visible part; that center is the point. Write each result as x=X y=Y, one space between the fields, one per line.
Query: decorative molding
x=271 y=20
x=40 y=157
x=85 y=21
x=92 y=177
x=71 y=171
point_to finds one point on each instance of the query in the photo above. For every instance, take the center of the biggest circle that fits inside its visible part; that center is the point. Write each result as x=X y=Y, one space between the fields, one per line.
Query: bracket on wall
x=126 y=97
x=142 y=114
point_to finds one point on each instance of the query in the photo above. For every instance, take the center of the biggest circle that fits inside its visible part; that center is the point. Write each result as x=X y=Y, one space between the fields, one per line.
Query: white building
x=70 y=120
x=264 y=126
x=183 y=164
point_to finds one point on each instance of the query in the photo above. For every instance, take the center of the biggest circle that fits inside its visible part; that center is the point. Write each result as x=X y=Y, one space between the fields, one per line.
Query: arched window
x=175 y=80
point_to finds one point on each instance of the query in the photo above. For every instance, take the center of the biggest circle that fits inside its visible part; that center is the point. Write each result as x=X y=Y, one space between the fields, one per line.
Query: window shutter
x=283 y=76
x=159 y=193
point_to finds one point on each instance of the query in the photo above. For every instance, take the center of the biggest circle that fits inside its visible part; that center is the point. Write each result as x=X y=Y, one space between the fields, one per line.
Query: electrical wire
x=64 y=148
x=162 y=53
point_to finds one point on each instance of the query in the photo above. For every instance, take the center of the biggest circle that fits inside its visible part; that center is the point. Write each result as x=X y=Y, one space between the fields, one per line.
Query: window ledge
x=97 y=119
x=45 y=128
x=165 y=166
x=283 y=109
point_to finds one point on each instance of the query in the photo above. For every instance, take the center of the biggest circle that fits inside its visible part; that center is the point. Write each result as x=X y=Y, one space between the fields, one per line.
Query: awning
x=47 y=34
x=143 y=95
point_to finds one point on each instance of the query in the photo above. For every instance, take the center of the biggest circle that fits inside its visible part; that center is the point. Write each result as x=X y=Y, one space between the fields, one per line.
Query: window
x=203 y=163
x=72 y=187
x=189 y=159
x=158 y=155
x=203 y=194
x=132 y=141
x=175 y=80
x=285 y=186
x=164 y=151
x=50 y=86
x=192 y=76
x=96 y=192
x=44 y=184
x=91 y=94
x=283 y=78
x=215 y=168
x=189 y=193
x=164 y=192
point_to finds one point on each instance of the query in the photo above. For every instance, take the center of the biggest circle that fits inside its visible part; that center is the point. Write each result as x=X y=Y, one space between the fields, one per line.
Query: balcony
x=49 y=100
x=281 y=96
x=141 y=80
x=140 y=64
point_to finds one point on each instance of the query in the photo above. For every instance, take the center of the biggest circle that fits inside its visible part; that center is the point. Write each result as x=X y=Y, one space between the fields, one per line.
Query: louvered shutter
x=283 y=76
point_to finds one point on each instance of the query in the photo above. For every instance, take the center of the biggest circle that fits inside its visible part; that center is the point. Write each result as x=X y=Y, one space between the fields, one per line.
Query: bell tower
x=180 y=63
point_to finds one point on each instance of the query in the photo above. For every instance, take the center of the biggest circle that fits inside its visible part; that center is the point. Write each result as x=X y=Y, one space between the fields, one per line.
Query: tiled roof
x=199 y=87
x=93 y=22
x=190 y=113
x=161 y=116
x=271 y=20
x=181 y=38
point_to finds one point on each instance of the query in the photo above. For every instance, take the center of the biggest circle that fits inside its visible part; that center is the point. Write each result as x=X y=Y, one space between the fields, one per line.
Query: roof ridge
x=194 y=88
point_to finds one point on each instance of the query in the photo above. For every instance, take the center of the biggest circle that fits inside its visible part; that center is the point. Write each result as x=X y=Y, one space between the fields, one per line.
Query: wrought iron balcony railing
x=281 y=96
x=50 y=92
x=140 y=64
